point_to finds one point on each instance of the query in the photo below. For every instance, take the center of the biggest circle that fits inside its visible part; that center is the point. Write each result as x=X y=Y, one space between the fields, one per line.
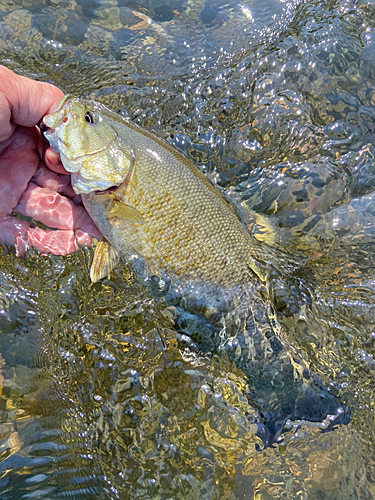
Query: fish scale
x=190 y=232
x=208 y=245
x=148 y=200
x=202 y=248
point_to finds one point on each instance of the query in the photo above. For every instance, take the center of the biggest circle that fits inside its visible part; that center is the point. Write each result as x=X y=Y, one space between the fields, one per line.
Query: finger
x=48 y=156
x=45 y=178
x=83 y=239
x=21 y=236
x=54 y=210
x=15 y=233
x=24 y=101
x=7 y=127
x=18 y=163
x=52 y=160
x=55 y=242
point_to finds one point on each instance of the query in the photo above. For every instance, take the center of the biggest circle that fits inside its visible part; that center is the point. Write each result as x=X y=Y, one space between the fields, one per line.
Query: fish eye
x=89 y=117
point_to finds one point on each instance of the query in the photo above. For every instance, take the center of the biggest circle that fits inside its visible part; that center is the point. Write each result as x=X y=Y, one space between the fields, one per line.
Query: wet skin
x=33 y=182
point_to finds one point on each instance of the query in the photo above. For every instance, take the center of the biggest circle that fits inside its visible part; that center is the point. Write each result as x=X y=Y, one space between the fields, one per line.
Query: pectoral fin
x=105 y=259
x=125 y=212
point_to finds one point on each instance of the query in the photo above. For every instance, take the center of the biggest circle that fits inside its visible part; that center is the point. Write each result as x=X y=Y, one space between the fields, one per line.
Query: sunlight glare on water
x=101 y=392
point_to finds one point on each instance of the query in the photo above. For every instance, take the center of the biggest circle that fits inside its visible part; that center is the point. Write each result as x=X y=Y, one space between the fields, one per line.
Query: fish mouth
x=43 y=127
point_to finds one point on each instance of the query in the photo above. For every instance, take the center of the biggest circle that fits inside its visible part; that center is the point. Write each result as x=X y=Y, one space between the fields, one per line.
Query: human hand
x=33 y=181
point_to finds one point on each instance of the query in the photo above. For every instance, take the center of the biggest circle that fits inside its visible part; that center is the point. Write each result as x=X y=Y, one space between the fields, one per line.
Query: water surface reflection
x=274 y=101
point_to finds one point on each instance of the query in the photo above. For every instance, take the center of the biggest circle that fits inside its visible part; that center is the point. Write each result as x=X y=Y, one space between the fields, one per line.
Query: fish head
x=85 y=133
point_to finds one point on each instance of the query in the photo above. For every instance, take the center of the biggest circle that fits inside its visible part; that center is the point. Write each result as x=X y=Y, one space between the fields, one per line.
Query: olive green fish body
x=189 y=231
x=185 y=227
x=150 y=202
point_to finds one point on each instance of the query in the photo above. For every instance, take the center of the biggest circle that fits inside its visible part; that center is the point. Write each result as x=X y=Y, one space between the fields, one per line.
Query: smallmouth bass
x=147 y=199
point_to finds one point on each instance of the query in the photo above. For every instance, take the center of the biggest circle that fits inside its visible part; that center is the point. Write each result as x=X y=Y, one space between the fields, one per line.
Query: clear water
x=274 y=101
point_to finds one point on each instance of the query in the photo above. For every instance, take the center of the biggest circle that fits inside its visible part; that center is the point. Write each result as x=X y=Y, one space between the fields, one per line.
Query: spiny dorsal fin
x=125 y=212
x=105 y=259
